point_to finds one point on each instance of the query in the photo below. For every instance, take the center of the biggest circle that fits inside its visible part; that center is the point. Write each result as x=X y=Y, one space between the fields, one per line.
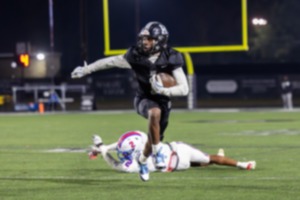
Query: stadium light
x=40 y=56
x=259 y=21
x=13 y=65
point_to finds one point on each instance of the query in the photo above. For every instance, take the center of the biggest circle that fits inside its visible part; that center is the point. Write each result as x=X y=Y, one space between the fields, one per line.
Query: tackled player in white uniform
x=177 y=155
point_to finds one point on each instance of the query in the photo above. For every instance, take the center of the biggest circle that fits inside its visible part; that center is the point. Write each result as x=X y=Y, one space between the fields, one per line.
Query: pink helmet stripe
x=125 y=136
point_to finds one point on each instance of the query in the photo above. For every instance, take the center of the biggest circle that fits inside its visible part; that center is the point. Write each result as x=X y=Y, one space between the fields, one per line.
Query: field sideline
x=44 y=156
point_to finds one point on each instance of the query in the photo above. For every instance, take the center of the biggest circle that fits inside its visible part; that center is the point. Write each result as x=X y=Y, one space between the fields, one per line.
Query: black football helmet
x=156 y=31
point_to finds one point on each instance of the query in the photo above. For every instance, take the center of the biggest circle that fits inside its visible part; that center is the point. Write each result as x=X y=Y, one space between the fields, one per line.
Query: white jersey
x=177 y=156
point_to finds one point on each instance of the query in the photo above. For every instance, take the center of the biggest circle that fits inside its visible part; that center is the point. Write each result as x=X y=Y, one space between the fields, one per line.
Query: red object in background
x=24 y=60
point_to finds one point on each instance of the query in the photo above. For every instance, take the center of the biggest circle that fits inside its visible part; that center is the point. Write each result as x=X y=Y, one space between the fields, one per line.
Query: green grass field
x=28 y=171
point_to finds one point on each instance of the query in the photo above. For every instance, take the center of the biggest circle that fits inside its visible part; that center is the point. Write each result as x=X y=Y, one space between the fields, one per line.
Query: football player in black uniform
x=150 y=56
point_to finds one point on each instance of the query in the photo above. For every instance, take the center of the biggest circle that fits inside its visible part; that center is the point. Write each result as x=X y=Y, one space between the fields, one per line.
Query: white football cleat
x=159 y=160
x=251 y=165
x=143 y=169
x=144 y=172
x=221 y=152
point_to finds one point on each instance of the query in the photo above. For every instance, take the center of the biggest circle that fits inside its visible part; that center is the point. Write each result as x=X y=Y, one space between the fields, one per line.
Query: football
x=166 y=79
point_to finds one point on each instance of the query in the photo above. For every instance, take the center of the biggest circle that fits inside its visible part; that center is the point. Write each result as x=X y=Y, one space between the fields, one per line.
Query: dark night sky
x=190 y=23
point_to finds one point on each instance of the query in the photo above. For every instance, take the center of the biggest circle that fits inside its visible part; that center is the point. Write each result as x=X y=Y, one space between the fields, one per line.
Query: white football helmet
x=129 y=144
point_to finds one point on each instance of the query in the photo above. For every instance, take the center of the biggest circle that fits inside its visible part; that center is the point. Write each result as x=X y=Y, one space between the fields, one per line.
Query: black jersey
x=168 y=60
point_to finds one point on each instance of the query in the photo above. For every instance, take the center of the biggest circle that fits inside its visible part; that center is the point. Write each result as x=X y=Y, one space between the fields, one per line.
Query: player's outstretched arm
x=116 y=164
x=101 y=64
x=110 y=160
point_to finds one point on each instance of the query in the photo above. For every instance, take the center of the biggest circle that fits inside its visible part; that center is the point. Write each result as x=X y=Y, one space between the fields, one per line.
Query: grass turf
x=27 y=171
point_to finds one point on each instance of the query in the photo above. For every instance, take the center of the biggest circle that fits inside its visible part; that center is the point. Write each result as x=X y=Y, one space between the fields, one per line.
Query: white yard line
x=156 y=178
x=64 y=150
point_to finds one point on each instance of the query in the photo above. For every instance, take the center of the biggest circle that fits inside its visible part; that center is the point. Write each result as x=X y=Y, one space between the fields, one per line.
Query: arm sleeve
x=112 y=147
x=127 y=166
x=106 y=63
x=110 y=160
x=182 y=88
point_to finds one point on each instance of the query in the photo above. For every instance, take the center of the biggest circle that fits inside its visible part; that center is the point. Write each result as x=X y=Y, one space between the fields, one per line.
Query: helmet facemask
x=157 y=32
x=125 y=155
